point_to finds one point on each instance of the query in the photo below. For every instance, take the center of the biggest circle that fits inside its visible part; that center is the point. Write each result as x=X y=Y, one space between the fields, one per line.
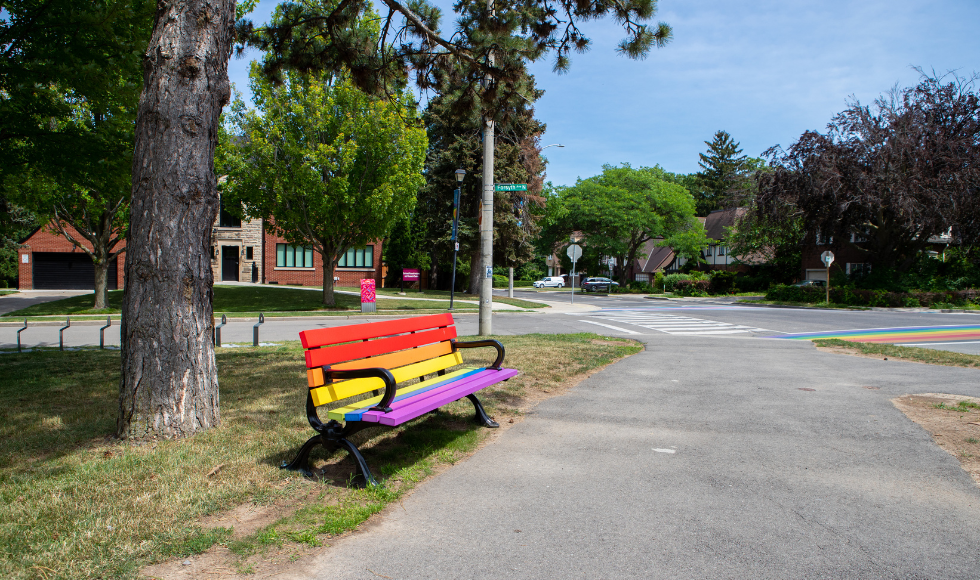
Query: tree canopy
x=327 y=165
x=895 y=173
x=623 y=208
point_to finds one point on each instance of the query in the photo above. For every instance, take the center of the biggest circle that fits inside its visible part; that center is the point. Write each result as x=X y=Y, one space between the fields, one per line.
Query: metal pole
x=510 y=283
x=572 y=280
x=108 y=323
x=61 y=333
x=217 y=330
x=18 y=334
x=828 y=284
x=455 y=241
x=486 y=217
x=255 y=330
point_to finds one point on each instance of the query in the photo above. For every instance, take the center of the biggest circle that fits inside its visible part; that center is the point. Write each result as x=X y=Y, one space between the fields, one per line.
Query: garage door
x=57 y=271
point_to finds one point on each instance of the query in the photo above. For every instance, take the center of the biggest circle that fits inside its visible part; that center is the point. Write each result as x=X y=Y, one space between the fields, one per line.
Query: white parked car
x=556 y=281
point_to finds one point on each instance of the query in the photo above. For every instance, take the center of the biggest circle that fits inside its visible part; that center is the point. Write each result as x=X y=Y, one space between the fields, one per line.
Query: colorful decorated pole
x=368 y=297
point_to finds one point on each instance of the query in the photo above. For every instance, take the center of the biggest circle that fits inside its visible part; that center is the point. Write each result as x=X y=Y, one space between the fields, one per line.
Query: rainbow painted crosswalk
x=918 y=334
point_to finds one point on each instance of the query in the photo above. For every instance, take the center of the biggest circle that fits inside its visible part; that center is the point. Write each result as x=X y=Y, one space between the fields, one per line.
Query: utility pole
x=486 y=216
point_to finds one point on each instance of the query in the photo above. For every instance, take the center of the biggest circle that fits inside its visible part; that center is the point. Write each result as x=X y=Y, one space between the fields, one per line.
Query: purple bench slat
x=437 y=398
x=359 y=414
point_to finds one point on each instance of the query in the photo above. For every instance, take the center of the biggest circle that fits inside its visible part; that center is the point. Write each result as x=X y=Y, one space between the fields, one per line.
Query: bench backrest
x=409 y=348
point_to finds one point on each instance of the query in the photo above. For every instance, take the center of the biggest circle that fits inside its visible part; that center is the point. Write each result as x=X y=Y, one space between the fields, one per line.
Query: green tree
x=70 y=77
x=723 y=173
x=326 y=165
x=454 y=143
x=622 y=209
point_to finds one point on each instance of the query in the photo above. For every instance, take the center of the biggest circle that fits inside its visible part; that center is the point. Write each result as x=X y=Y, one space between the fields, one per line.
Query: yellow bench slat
x=350 y=388
x=386 y=361
x=340 y=412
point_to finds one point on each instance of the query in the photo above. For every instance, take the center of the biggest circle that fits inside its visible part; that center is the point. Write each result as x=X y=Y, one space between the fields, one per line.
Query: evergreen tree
x=723 y=174
x=455 y=143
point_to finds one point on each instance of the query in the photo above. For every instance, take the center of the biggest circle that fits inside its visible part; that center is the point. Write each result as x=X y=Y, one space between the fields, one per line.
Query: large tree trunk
x=328 y=297
x=101 y=283
x=169 y=385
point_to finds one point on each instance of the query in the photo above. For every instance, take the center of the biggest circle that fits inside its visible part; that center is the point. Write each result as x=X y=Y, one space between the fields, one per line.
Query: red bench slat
x=326 y=336
x=319 y=357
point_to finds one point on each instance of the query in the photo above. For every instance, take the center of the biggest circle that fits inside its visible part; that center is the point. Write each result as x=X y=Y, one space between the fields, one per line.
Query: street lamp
x=552 y=145
x=460 y=174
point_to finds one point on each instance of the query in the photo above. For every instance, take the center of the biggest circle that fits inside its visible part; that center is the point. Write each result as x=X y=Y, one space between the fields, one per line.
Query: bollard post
x=18 y=334
x=217 y=330
x=108 y=323
x=255 y=330
x=61 y=333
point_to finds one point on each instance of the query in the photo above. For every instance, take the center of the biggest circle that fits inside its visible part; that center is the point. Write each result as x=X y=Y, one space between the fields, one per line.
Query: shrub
x=722 y=282
x=692 y=287
x=672 y=279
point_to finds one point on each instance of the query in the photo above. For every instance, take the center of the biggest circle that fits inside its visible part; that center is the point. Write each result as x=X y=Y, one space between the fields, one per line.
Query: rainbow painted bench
x=380 y=358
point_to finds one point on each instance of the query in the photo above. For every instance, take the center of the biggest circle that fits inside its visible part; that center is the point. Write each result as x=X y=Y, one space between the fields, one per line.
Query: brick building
x=48 y=261
x=241 y=250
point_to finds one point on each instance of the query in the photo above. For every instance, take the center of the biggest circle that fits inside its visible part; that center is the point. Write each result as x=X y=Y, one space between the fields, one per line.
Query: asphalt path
x=697 y=458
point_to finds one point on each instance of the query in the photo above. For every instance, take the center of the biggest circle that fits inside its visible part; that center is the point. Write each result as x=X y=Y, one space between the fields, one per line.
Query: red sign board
x=410 y=274
x=367 y=291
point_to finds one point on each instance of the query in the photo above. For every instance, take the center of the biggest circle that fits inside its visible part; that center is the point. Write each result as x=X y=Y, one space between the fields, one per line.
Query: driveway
x=23 y=299
x=701 y=457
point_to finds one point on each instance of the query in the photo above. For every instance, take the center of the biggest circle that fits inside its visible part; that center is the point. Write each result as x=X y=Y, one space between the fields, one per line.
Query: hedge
x=857 y=297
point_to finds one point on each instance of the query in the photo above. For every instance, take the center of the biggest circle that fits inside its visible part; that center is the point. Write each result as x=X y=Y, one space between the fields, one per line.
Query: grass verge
x=922 y=355
x=250 y=300
x=75 y=503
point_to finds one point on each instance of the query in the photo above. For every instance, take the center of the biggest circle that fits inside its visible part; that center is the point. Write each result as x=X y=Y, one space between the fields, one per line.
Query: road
x=618 y=315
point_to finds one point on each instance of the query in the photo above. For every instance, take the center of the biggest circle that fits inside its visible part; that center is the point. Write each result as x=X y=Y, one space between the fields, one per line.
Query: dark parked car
x=593 y=284
x=808 y=283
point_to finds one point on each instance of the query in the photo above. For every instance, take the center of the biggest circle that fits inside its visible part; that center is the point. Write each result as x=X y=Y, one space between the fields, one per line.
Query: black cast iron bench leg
x=301 y=463
x=363 y=477
x=481 y=415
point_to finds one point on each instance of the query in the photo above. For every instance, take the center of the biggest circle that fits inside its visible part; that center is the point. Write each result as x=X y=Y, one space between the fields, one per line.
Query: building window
x=823 y=240
x=294 y=256
x=707 y=251
x=357 y=258
x=249 y=255
x=226 y=220
x=858 y=269
x=721 y=250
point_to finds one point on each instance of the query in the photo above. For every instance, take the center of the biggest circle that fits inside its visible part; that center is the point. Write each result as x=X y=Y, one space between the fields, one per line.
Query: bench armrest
x=384 y=374
x=478 y=343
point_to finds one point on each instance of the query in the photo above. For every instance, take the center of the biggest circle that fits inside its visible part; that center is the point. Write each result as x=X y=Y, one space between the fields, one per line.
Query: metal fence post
x=108 y=323
x=18 y=334
x=255 y=330
x=217 y=330
x=61 y=333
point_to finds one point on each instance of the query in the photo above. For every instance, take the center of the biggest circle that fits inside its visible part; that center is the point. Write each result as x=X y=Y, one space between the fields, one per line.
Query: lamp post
x=460 y=173
x=552 y=145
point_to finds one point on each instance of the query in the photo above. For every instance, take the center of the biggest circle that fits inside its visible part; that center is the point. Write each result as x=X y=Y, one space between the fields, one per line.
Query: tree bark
x=328 y=297
x=169 y=384
x=101 y=283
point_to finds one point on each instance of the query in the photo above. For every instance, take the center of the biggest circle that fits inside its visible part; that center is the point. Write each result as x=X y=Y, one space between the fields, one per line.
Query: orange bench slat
x=386 y=361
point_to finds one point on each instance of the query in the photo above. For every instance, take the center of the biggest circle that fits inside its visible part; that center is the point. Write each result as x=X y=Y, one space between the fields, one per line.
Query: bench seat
x=380 y=358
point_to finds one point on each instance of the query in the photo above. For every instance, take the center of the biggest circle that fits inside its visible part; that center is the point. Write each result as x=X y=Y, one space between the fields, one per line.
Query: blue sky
x=764 y=71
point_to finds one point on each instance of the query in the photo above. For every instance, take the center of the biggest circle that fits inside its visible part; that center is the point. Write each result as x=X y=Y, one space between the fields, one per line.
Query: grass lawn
x=75 y=503
x=923 y=355
x=5 y=292
x=270 y=300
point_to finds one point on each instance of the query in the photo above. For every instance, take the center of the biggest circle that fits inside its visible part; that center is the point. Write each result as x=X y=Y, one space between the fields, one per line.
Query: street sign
x=574 y=252
x=410 y=274
x=827 y=258
x=510 y=187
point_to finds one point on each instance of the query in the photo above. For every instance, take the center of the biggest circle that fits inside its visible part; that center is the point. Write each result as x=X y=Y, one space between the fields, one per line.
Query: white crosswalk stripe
x=674 y=324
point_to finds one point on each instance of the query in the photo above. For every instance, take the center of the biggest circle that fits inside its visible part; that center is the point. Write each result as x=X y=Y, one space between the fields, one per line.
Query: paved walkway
x=698 y=458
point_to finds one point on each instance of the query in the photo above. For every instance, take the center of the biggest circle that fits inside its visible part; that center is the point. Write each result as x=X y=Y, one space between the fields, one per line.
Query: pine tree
x=455 y=143
x=723 y=173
